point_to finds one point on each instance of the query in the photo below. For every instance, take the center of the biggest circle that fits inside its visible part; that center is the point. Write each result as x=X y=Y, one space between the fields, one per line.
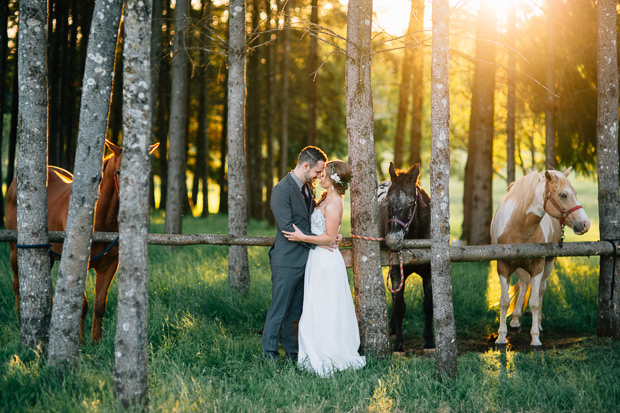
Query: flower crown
x=336 y=178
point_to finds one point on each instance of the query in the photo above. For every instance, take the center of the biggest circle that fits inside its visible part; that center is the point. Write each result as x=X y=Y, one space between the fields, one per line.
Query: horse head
x=403 y=198
x=560 y=201
x=112 y=163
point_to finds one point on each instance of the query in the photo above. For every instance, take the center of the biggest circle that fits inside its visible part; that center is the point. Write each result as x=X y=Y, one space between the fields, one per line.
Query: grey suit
x=288 y=264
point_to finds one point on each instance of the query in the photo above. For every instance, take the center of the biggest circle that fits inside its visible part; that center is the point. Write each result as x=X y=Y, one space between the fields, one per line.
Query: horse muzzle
x=394 y=240
x=579 y=222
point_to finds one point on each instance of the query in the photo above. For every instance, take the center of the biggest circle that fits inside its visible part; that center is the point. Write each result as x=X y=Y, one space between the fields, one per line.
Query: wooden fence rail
x=414 y=251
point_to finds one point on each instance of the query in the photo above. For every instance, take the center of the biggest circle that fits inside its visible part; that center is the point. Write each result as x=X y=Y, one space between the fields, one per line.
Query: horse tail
x=513 y=293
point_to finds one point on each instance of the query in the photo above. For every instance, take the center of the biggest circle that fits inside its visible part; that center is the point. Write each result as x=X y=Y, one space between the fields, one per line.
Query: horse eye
x=563 y=196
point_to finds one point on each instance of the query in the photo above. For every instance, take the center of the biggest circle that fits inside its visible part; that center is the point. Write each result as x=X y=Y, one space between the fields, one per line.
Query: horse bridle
x=406 y=227
x=564 y=212
x=415 y=210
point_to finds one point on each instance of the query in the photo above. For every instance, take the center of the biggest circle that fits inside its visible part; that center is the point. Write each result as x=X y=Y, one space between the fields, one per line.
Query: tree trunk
x=608 y=161
x=238 y=266
x=286 y=40
x=223 y=179
x=178 y=123
x=95 y=104
x=131 y=341
x=405 y=87
x=369 y=290
x=270 y=124
x=203 y=121
x=443 y=309
x=115 y=123
x=313 y=63
x=35 y=282
x=254 y=151
x=10 y=170
x=4 y=15
x=156 y=57
x=478 y=195
x=417 y=84
x=511 y=105
x=550 y=111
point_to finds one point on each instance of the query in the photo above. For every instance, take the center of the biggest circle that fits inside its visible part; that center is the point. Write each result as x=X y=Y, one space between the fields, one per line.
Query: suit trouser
x=287 y=296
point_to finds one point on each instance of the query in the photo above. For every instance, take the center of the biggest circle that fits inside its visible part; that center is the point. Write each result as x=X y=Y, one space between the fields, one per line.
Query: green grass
x=205 y=349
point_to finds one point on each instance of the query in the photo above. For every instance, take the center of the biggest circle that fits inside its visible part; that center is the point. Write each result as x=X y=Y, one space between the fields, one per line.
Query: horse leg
x=429 y=339
x=398 y=309
x=83 y=317
x=549 y=264
x=504 y=302
x=105 y=275
x=535 y=307
x=524 y=283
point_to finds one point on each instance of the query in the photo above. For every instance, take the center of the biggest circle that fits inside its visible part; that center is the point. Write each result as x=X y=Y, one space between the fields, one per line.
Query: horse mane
x=522 y=191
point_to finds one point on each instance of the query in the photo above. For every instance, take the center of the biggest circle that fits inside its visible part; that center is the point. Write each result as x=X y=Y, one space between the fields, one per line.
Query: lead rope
x=400 y=259
x=613 y=266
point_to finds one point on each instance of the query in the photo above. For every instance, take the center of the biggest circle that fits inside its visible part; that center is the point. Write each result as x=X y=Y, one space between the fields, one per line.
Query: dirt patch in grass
x=518 y=341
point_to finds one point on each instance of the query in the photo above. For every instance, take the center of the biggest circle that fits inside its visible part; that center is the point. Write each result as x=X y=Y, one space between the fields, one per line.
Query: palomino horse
x=106 y=214
x=534 y=210
x=406 y=214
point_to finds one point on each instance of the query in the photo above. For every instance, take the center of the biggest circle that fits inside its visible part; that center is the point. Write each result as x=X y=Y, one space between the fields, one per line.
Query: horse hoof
x=428 y=351
x=512 y=329
x=501 y=346
x=398 y=354
x=537 y=349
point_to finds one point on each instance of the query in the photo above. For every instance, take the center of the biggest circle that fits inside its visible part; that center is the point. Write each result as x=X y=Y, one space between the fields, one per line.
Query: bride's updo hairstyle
x=339 y=173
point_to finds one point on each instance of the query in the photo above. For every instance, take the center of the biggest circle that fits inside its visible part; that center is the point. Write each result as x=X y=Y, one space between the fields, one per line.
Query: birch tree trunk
x=238 y=266
x=368 y=277
x=478 y=196
x=35 y=282
x=417 y=85
x=178 y=123
x=608 y=161
x=130 y=343
x=96 y=91
x=511 y=105
x=550 y=112
x=443 y=309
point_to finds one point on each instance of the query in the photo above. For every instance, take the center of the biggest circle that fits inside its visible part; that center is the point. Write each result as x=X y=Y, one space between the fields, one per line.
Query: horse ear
x=153 y=147
x=392 y=171
x=115 y=149
x=414 y=171
x=549 y=177
x=567 y=171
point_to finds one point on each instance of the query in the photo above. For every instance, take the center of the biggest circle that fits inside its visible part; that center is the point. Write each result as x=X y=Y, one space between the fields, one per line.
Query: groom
x=292 y=202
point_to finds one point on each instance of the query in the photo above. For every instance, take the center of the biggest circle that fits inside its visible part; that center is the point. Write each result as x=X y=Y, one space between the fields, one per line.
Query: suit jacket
x=289 y=207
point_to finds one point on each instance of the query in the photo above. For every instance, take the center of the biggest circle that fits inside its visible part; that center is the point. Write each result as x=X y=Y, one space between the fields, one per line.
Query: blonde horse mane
x=522 y=191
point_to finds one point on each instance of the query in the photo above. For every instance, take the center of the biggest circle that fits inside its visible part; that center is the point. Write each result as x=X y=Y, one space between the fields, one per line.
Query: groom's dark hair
x=312 y=155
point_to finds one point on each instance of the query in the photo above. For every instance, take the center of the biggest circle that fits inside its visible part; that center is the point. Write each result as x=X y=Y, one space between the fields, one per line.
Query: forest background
x=296 y=96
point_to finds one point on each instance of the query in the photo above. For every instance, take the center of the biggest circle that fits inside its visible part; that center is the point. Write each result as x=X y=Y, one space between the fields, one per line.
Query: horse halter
x=415 y=210
x=565 y=212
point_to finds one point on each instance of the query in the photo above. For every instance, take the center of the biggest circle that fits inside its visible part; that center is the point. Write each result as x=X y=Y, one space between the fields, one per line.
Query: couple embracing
x=308 y=274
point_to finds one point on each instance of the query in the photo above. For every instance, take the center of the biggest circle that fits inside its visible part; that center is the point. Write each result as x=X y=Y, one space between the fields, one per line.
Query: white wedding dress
x=328 y=332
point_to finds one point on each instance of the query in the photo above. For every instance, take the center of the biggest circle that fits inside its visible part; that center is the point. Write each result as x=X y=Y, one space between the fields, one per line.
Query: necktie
x=306 y=192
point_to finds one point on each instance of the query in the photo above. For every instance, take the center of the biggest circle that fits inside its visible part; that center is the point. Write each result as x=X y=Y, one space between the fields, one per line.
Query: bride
x=328 y=331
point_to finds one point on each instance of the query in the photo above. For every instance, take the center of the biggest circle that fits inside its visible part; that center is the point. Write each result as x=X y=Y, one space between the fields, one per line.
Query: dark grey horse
x=406 y=214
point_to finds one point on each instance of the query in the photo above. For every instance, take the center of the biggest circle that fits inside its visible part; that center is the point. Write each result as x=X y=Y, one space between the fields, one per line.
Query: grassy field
x=205 y=350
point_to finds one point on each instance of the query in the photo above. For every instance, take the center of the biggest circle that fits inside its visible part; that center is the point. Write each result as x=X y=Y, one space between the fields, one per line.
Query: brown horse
x=106 y=213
